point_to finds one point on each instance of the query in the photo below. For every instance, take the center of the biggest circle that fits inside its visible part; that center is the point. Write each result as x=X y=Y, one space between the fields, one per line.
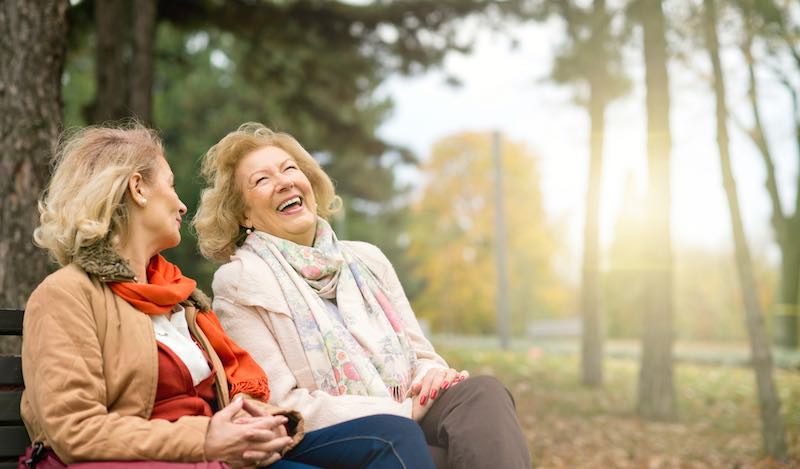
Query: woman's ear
x=136 y=189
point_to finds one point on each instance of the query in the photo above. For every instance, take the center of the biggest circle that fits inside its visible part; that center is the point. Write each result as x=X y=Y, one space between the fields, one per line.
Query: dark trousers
x=474 y=425
x=376 y=442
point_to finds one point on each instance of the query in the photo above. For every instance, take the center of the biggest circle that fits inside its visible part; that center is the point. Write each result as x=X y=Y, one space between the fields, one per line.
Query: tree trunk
x=785 y=228
x=32 y=53
x=656 y=398
x=112 y=18
x=786 y=311
x=790 y=263
x=144 y=29
x=769 y=401
x=592 y=334
x=788 y=319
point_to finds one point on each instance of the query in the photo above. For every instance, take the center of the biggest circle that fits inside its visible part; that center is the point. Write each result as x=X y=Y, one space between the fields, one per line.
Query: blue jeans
x=376 y=442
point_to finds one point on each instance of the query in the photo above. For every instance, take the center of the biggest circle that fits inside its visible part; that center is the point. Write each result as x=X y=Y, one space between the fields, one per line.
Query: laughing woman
x=328 y=319
x=122 y=357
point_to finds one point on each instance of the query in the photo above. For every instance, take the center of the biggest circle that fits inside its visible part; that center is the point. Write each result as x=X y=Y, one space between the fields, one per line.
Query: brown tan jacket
x=90 y=364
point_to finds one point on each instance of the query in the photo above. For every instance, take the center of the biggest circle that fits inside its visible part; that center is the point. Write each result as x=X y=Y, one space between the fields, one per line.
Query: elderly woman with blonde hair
x=126 y=365
x=328 y=319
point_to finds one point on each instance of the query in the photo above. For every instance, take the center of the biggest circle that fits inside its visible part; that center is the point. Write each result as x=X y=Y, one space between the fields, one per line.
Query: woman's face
x=161 y=215
x=278 y=197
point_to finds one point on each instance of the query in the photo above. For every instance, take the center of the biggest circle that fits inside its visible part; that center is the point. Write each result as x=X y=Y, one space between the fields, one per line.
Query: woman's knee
x=486 y=387
x=402 y=442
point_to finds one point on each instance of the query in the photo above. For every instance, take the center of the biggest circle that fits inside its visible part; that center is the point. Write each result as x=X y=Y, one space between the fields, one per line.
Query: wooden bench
x=13 y=436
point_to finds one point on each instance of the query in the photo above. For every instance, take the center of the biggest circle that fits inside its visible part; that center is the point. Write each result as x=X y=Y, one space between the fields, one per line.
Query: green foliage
x=308 y=68
x=200 y=96
x=590 y=58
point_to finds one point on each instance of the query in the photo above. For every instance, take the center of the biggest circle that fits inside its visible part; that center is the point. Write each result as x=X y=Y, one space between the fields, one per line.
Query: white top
x=173 y=331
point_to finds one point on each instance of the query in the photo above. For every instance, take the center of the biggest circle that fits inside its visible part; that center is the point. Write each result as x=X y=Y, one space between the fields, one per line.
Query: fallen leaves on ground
x=570 y=426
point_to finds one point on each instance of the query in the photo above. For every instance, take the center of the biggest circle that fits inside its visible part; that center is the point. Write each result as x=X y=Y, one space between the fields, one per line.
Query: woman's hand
x=244 y=442
x=263 y=458
x=436 y=381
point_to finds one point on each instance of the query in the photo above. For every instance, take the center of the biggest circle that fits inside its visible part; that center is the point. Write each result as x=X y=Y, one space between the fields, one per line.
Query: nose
x=181 y=208
x=284 y=182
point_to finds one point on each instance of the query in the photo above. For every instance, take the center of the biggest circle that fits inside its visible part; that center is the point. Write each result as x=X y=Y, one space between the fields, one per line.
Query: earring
x=249 y=231
x=144 y=201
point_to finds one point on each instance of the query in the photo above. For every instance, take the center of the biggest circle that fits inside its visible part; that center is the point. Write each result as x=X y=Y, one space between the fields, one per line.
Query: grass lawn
x=570 y=426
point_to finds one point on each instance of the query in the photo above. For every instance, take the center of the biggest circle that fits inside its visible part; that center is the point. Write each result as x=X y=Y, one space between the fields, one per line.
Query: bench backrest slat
x=11 y=321
x=9 y=407
x=13 y=436
x=10 y=371
x=13 y=440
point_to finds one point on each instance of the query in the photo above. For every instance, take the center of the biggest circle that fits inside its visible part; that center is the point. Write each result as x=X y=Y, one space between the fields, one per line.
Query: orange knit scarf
x=166 y=288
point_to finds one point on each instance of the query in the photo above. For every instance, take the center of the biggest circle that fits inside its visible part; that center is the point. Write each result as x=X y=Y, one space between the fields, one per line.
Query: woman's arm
x=248 y=326
x=63 y=368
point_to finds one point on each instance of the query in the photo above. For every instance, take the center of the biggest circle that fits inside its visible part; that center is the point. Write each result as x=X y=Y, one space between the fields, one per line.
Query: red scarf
x=166 y=288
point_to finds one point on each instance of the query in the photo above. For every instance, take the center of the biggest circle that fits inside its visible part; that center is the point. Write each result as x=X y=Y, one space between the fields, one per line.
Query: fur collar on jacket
x=102 y=261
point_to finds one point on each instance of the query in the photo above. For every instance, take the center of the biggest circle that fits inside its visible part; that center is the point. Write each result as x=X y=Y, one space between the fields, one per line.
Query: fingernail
x=433 y=394
x=446 y=385
x=422 y=400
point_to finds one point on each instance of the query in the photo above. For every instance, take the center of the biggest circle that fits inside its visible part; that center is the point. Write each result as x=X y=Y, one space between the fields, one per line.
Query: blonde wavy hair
x=85 y=200
x=218 y=220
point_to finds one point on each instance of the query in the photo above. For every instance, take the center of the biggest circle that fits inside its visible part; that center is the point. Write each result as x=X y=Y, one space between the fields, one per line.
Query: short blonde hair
x=85 y=200
x=221 y=211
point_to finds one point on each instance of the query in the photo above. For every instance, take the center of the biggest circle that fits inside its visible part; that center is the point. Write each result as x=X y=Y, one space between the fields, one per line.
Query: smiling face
x=277 y=195
x=161 y=215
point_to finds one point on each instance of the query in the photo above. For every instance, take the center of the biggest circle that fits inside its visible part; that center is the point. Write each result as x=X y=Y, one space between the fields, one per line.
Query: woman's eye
x=261 y=180
x=290 y=167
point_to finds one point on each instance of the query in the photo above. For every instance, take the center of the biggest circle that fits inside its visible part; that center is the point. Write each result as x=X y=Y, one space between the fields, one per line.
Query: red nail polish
x=422 y=400
x=433 y=394
x=446 y=385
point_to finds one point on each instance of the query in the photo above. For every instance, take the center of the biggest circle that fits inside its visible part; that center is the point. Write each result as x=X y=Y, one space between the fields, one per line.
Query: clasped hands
x=245 y=436
x=433 y=384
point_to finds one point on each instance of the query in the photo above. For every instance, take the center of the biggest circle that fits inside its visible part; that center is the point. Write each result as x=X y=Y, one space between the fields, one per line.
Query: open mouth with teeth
x=291 y=205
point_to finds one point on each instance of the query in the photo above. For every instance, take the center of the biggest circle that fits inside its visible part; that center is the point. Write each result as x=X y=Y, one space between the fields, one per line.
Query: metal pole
x=500 y=243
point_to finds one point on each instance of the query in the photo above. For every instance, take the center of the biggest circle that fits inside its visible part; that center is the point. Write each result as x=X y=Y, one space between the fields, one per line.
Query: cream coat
x=254 y=312
x=90 y=364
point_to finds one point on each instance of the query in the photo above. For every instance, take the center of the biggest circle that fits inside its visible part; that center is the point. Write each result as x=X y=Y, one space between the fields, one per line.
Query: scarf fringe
x=257 y=388
x=398 y=393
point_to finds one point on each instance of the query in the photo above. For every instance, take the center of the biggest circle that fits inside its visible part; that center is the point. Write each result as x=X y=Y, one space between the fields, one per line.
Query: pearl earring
x=144 y=201
x=249 y=231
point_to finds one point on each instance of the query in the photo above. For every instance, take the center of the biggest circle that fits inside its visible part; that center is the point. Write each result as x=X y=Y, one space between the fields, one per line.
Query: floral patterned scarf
x=352 y=336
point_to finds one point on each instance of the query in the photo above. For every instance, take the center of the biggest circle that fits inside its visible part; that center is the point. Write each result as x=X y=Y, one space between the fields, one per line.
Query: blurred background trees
x=656 y=397
x=451 y=235
x=308 y=68
x=590 y=61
